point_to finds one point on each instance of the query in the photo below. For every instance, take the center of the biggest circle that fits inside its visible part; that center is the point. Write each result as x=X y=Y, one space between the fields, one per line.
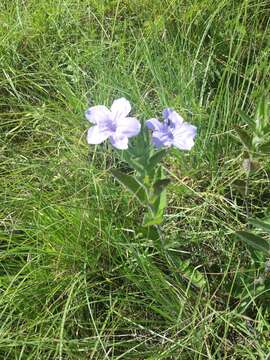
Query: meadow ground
x=78 y=279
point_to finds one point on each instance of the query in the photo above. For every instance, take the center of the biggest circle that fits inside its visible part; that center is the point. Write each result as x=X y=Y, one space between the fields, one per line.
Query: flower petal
x=166 y=113
x=157 y=142
x=127 y=126
x=96 y=136
x=98 y=113
x=162 y=138
x=184 y=136
x=173 y=117
x=119 y=142
x=120 y=108
x=176 y=119
x=154 y=124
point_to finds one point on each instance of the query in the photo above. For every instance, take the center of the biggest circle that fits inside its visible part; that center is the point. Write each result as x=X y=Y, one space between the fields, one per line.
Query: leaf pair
x=258 y=140
x=133 y=185
x=152 y=197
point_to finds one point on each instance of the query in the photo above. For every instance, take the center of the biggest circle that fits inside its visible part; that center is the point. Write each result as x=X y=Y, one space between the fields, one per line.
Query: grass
x=77 y=279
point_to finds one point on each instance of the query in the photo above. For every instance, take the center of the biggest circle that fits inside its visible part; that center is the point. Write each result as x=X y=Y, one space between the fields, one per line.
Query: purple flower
x=113 y=124
x=173 y=131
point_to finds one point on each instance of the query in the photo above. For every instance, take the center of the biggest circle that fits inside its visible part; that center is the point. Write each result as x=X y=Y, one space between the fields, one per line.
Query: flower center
x=168 y=128
x=112 y=126
x=109 y=125
x=169 y=123
x=170 y=135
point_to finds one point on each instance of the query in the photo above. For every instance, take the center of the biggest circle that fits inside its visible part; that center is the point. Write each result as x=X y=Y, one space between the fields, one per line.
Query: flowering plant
x=148 y=183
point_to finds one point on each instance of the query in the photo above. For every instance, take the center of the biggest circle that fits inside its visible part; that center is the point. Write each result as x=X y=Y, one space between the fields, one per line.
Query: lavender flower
x=173 y=131
x=113 y=124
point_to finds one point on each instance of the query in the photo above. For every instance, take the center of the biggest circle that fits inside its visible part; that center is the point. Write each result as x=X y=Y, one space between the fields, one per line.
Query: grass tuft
x=78 y=277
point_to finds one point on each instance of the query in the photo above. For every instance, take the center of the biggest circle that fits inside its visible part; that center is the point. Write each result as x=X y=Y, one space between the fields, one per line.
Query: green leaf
x=260 y=224
x=254 y=241
x=191 y=274
x=148 y=232
x=156 y=159
x=246 y=117
x=262 y=114
x=244 y=138
x=134 y=163
x=158 y=199
x=160 y=185
x=133 y=185
x=159 y=203
x=150 y=220
x=265 y=148
x=140 y=147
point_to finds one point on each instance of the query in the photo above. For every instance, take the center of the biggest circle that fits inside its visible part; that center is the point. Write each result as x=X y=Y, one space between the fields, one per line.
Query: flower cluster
x=118 y=127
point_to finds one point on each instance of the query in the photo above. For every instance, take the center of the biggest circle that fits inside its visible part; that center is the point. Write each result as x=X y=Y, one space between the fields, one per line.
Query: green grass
x=77 y=279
